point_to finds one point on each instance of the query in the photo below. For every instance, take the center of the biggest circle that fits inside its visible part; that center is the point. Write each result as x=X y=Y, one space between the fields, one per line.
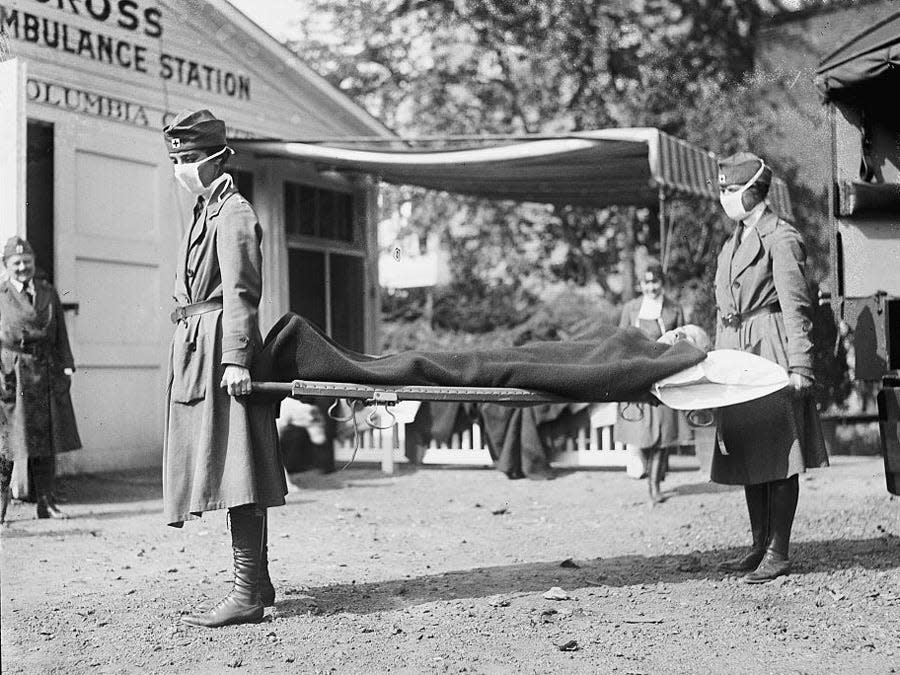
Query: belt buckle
x=732 y=320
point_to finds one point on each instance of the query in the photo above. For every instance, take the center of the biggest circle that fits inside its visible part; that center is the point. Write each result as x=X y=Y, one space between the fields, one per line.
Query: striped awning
x=629 y=167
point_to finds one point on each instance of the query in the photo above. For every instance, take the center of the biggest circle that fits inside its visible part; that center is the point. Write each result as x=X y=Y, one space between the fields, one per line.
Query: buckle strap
x=182 y=312
x=734 y=319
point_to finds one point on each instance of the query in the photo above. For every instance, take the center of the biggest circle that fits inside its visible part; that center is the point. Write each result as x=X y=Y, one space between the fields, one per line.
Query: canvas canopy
x=629 y=167
x=867 y=64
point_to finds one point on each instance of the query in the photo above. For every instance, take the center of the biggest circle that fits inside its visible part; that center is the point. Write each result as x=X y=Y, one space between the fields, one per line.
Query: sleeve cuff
x=237 y=357
x=802 y=370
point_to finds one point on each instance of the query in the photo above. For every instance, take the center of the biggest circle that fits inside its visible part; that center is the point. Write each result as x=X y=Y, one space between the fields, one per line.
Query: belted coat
x=641 y=424
x=35 y=406
x=762 y=280
x=219 y=451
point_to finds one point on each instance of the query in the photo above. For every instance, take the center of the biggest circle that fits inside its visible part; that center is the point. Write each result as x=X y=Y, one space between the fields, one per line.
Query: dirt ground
x=444 y=570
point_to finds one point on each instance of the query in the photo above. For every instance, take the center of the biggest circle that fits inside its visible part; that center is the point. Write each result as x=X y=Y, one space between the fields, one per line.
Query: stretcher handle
x=371 y=418
x=701 y=418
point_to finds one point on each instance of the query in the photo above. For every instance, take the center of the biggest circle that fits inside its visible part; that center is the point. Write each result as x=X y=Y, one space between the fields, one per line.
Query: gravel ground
x=445 y=571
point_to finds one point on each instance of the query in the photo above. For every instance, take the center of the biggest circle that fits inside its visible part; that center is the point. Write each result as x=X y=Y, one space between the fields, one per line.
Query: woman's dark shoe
x=773 y=565
x=47 y=509
x=745 y=563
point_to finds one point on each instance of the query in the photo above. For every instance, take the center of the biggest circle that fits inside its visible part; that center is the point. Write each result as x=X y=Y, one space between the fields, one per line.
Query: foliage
x=445 y=67
x=565 y=311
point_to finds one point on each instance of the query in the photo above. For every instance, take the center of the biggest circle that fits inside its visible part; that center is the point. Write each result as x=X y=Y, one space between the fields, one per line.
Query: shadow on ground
x=110 y=488
x=881 y=553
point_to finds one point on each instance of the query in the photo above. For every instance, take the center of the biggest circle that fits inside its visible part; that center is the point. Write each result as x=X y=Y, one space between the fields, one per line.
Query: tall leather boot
x=758 y=507
x=266 y=589
x=5 y=494
x=6 y=469
x=783 y=496
x=43 y=472
x=243 y=604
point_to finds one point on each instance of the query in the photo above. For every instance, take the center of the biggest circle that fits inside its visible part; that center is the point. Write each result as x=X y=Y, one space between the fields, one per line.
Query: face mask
x=733 y=202
x=189 y=174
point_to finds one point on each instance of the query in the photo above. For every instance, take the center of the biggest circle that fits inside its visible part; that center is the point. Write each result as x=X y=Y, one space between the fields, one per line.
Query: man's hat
x=15 y=245
x=194 y=131
x=740 y=168
x=653 y=271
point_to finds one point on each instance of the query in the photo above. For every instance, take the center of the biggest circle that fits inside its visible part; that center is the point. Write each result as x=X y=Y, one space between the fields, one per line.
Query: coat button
x=736 y=284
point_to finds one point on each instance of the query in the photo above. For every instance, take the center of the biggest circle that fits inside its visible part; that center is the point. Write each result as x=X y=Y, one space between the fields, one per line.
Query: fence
x=593 y=445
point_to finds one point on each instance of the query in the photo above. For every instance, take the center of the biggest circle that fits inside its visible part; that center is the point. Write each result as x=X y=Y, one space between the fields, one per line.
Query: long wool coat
x=219 y=451
x=643 y=425
x=777 y=436
x=35 y=406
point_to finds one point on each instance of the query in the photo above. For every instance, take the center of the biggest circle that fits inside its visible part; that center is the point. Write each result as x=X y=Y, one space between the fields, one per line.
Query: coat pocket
x=61 y=383
x=188 y=371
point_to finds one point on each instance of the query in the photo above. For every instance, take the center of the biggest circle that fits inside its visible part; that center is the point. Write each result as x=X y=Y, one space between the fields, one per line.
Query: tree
x=523 y=66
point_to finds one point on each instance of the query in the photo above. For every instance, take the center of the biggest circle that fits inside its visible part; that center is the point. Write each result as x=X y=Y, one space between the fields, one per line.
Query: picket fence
x=593 y=445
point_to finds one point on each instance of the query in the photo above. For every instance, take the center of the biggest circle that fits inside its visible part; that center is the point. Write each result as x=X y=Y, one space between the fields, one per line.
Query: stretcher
x=726 y=377
x=383 y=397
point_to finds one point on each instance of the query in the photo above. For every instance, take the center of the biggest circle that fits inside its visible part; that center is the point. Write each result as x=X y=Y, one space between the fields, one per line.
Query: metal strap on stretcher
x=375 y=394
x=386 y=396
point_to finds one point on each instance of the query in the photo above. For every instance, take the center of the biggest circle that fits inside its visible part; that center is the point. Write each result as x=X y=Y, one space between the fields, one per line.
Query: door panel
x=113 y=188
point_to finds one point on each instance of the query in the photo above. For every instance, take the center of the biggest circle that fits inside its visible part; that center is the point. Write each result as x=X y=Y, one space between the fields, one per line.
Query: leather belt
x=31 y=348
x=182 y=312
x=734 y=320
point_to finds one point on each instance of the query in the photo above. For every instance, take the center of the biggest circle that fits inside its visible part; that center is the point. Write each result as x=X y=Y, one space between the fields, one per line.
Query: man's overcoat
x=777 y=436
x=35 y=406
x=220 y=451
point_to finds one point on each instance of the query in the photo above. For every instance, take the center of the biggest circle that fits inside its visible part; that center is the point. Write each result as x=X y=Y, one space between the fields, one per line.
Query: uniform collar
x=19 y=286
x=752 y=220
x=218 y=191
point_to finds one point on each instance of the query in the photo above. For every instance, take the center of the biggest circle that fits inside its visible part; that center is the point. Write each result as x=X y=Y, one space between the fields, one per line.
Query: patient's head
x=692 y=333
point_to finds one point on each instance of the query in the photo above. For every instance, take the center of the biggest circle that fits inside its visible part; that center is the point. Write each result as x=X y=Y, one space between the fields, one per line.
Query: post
x=13 y=145
x=663 y=238
x=387 y=450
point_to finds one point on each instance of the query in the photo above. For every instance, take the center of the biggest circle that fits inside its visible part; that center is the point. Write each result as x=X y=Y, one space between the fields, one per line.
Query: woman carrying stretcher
x=220 y=449
x=764 y=308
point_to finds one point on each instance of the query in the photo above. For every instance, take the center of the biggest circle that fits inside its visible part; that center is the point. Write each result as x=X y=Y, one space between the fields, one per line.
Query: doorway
x=39 y=197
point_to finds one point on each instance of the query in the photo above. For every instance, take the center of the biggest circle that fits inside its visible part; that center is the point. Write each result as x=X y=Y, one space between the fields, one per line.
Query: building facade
x=85 y=89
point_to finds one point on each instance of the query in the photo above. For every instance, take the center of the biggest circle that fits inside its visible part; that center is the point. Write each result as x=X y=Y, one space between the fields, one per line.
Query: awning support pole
x=663 y=239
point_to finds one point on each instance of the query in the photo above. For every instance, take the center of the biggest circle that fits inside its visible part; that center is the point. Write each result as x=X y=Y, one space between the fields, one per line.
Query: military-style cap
x=194 y=131
x=740 y=168
x=15 y=245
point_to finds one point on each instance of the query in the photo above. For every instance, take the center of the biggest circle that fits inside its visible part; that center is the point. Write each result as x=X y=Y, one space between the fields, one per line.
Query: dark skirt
x=768 y=439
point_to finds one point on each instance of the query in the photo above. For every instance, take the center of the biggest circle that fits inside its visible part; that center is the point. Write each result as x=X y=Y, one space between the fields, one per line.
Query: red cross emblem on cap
x=20 y=248
x=176 y=142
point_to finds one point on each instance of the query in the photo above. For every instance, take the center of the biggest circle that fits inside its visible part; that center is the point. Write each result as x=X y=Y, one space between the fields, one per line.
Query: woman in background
x=650 y=430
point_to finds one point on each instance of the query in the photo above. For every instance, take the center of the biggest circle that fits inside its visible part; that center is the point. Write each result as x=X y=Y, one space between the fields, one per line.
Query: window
x=317 y=212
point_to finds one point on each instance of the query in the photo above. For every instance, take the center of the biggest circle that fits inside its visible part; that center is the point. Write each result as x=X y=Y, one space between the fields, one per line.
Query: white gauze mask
x=733 y=202
x=188 y=174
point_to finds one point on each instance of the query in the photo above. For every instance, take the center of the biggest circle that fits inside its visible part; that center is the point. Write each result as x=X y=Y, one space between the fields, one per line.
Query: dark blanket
x=619 y=365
